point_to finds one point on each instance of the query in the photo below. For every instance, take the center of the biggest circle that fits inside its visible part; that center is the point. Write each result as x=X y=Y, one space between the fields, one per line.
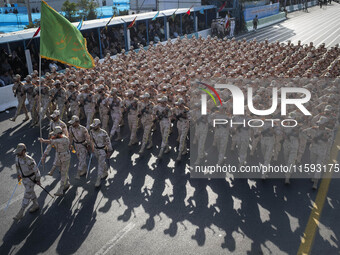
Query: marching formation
x=150 y=89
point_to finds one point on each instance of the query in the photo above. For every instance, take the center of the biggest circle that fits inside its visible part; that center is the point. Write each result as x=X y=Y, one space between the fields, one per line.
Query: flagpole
x=40 y=110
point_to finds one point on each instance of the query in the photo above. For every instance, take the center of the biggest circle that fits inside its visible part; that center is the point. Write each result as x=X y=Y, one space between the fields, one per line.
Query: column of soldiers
x=150 y=89
x=266 y=142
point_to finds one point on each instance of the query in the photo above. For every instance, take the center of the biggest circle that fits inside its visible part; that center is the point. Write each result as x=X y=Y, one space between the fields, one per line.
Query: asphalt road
x=145 y=207
x=317 y=26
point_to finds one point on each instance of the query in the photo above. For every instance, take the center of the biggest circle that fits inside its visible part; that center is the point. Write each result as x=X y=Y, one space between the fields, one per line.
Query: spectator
x=255 y=22
x=6 y=78
x=5 y=66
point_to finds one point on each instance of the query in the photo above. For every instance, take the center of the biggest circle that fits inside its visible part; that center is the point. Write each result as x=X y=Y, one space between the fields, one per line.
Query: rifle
x=65 y=105
x=88 y=167
x=55 y=95
x=34 y=181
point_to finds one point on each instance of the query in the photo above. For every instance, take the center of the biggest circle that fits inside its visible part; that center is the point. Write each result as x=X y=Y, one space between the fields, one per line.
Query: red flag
x=222 y=6
x=132 y=23
x=36 y=32
x=227 y=21
x=188 y=12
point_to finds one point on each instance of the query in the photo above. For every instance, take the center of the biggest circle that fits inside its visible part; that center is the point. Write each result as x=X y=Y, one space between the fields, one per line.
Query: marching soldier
x=28 y=172
x=19 y=93
x=163 y=113
x=103 y=109
x=58 y=95
x=114 y=102
x=61 y=144
x=290 y=146
x=181 y=114
x=87 y=100
x=146 y=108
x=130 y=104
x=319 y=146
x=56 y=122
x=102 y=149
x=71 y=101
x=221 y=134
x=81 y=138
x=32 y=103
x=267 y=144
x=45 y=98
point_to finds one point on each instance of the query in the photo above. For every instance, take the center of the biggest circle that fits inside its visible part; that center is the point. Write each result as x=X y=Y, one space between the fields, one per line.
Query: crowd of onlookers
x=112 y=41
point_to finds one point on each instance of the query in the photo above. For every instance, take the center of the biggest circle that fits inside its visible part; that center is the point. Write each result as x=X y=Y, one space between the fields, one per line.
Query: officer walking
x=28 y=172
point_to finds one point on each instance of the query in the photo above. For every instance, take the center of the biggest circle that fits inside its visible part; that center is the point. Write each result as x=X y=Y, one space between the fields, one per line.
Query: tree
x=88 y=8
x=70 y=10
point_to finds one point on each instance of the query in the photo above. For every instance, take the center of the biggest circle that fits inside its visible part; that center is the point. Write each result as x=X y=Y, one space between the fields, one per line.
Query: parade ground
x=151 y=206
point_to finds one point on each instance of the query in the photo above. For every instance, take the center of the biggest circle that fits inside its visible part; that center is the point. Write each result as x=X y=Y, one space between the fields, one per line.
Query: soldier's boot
x=59 y=192
x=198 y=160
x=160 y=155
x=77 y=175
x=167 y=150
x=35 y=206
x=19 y=215
x=80 y=173
x=27 y=117
x=141 y=151
x=252 y=152
x=135 y=141
x=105 y=174
x=149 y=146
x=66 y=187
x=98 y=182
x=287 y=181
x=33 y=123
x=179 y=157
x=52 y=170
x=315 y=183
x=119 y=137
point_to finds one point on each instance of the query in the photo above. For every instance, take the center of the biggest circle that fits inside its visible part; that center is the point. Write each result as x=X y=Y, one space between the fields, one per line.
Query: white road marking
x=110 y=244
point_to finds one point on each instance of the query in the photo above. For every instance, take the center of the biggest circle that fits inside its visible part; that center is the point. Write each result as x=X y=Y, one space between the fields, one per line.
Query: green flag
x=61 y=41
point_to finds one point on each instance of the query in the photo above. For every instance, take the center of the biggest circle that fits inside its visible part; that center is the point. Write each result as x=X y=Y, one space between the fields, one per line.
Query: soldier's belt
x=99 y=148
x=27 y=176
x=79 y=142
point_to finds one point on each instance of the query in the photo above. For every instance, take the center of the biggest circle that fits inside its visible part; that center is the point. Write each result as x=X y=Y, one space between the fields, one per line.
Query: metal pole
x=100 y=44
x=40 y=110
x=147 y=32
